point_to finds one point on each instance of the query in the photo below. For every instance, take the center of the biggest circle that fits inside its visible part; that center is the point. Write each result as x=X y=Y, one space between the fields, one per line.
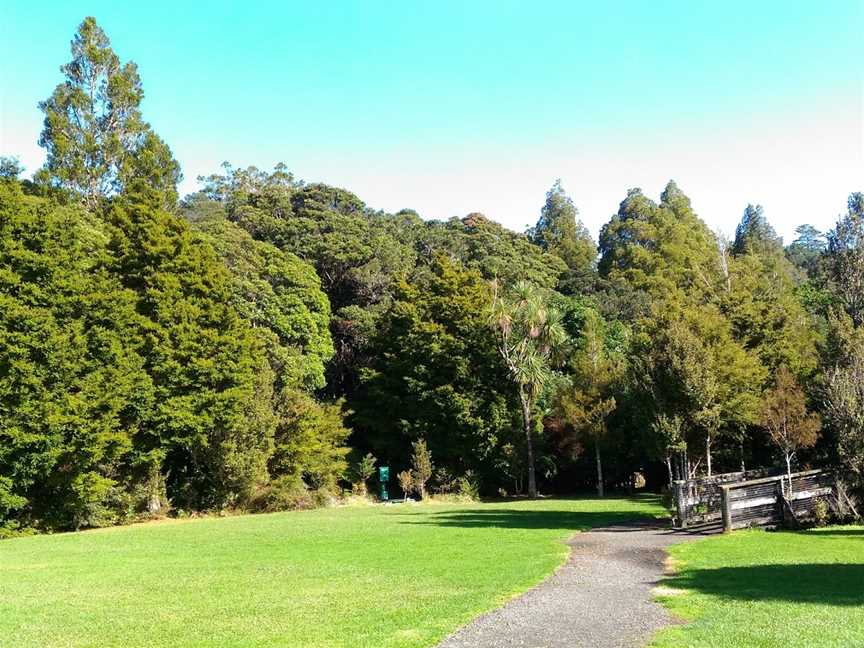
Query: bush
x=821 y=513
x=468 y=486
x=289 y=493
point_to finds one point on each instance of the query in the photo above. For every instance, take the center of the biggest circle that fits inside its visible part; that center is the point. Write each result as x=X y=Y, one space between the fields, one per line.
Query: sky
x=451 y=107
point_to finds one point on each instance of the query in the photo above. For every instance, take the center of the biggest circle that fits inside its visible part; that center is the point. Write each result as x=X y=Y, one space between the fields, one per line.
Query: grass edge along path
x=386 y=576
x=767 y=589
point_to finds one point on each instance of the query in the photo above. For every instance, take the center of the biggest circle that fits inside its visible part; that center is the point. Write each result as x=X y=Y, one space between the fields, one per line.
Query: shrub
x=290 y=493
x=421 y=466
x=406 y=482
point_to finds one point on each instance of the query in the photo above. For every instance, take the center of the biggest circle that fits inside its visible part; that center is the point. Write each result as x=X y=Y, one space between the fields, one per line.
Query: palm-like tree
x=530 y=335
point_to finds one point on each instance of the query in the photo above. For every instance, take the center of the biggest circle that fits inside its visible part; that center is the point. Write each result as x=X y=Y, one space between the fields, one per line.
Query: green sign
x=384 y=474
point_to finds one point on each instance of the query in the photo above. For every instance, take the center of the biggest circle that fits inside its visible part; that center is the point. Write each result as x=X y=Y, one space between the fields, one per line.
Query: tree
x=846 y=258
x=664 y=251
x=843 y=396
x=363 y=470
x=762 y=300
x=309 y=440
x=10 y=168
x=435 y=373
x=560 y=232
x=210 y=431
x=587 y=400
x=96 y=139
x=784 y=414
x=281 y=296
x=74 y=391
x=754 y=232
x=529 y=334
x=807 y=249
x=406 y=482
x=421 y=466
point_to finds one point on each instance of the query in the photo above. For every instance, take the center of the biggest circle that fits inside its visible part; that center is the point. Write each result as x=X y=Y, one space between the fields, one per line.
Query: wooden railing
x=698 y=501
x=772 y=501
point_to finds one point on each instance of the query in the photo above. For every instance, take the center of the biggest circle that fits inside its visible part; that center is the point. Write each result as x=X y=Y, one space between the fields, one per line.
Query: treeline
x=252 y=344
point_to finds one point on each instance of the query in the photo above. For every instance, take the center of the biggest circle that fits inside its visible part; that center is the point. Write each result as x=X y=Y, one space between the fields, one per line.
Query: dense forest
x=261 y=343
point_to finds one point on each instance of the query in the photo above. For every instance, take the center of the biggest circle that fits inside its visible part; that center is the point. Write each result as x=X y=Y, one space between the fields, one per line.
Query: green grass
x=383 y=576
x=759 y=589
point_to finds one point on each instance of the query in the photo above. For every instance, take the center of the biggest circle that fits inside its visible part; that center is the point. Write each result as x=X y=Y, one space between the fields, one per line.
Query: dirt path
x=600 y=599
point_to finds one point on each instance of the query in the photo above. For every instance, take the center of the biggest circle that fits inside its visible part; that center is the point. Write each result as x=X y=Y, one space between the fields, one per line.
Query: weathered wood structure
x=752 y=498
x=775 y=501
x=698 y=501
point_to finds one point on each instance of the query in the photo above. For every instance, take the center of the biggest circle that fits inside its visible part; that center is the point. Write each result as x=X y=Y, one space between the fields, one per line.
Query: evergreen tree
x=73 y=384
x=95 y=136
x=211 y=428
x=846 y=259
x=754 y=233
x=560 y=232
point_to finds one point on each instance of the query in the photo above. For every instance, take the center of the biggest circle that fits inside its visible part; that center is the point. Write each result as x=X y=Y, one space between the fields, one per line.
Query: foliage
x=846 y=259
x=309 y=440
x=784 y=414
x=97 y=142
x=421 y=466
x=587 y=400
x=281 y=297
x=843 y=397
x=72 y=378
x=436 y=375
x=406 y=482
x=529 y=335
x=362 y=471
x=559 y=232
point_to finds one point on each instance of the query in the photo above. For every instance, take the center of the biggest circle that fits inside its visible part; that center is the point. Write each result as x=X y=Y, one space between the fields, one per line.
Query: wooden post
x=681 y=503
x=726 y=503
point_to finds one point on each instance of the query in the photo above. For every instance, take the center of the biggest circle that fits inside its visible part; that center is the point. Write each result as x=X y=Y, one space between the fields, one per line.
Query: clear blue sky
x=451 y=107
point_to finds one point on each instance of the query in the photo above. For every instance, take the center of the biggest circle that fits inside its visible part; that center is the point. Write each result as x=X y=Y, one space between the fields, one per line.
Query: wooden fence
x=774 y=501
x=699 y=501
x=751 y=498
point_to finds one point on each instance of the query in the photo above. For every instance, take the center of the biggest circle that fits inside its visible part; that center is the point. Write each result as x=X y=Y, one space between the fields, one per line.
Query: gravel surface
x=600 y=599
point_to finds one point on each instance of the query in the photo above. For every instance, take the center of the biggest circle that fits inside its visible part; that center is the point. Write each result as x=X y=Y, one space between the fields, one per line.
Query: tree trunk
x=708 y=453
x=526 y=424
x=789 y=474
x=599 y=470
x=669 y=468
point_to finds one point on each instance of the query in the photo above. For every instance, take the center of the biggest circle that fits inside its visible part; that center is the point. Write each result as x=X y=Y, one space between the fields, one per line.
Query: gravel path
x=600 y=599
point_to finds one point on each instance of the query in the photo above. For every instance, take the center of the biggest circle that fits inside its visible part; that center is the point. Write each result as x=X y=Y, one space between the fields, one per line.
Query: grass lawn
x=398 y=575
x=756 y=588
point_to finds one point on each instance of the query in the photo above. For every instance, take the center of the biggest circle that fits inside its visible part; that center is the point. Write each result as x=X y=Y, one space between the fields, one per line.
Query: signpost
x=384 y=477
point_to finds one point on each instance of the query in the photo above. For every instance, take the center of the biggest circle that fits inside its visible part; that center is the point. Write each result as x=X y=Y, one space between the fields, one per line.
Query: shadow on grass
x=839 y=532
x=529 y=519
x=831 y=584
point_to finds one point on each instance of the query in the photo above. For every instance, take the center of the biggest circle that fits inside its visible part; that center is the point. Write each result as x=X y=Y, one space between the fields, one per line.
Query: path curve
x=601 y=598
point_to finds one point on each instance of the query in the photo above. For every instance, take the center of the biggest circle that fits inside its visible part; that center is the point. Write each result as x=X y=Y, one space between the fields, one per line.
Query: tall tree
x=754 y=232
x=73 y=384
x=210 y=431
x=588 y=399
x=96 y=138
x=762 y=300
x=529 y=335
x=560 y=232
x=435 y=373
x=846 y=258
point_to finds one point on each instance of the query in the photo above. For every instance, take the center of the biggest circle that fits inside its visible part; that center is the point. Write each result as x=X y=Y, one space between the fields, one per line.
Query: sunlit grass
x=386 y=576
x=761 y=589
